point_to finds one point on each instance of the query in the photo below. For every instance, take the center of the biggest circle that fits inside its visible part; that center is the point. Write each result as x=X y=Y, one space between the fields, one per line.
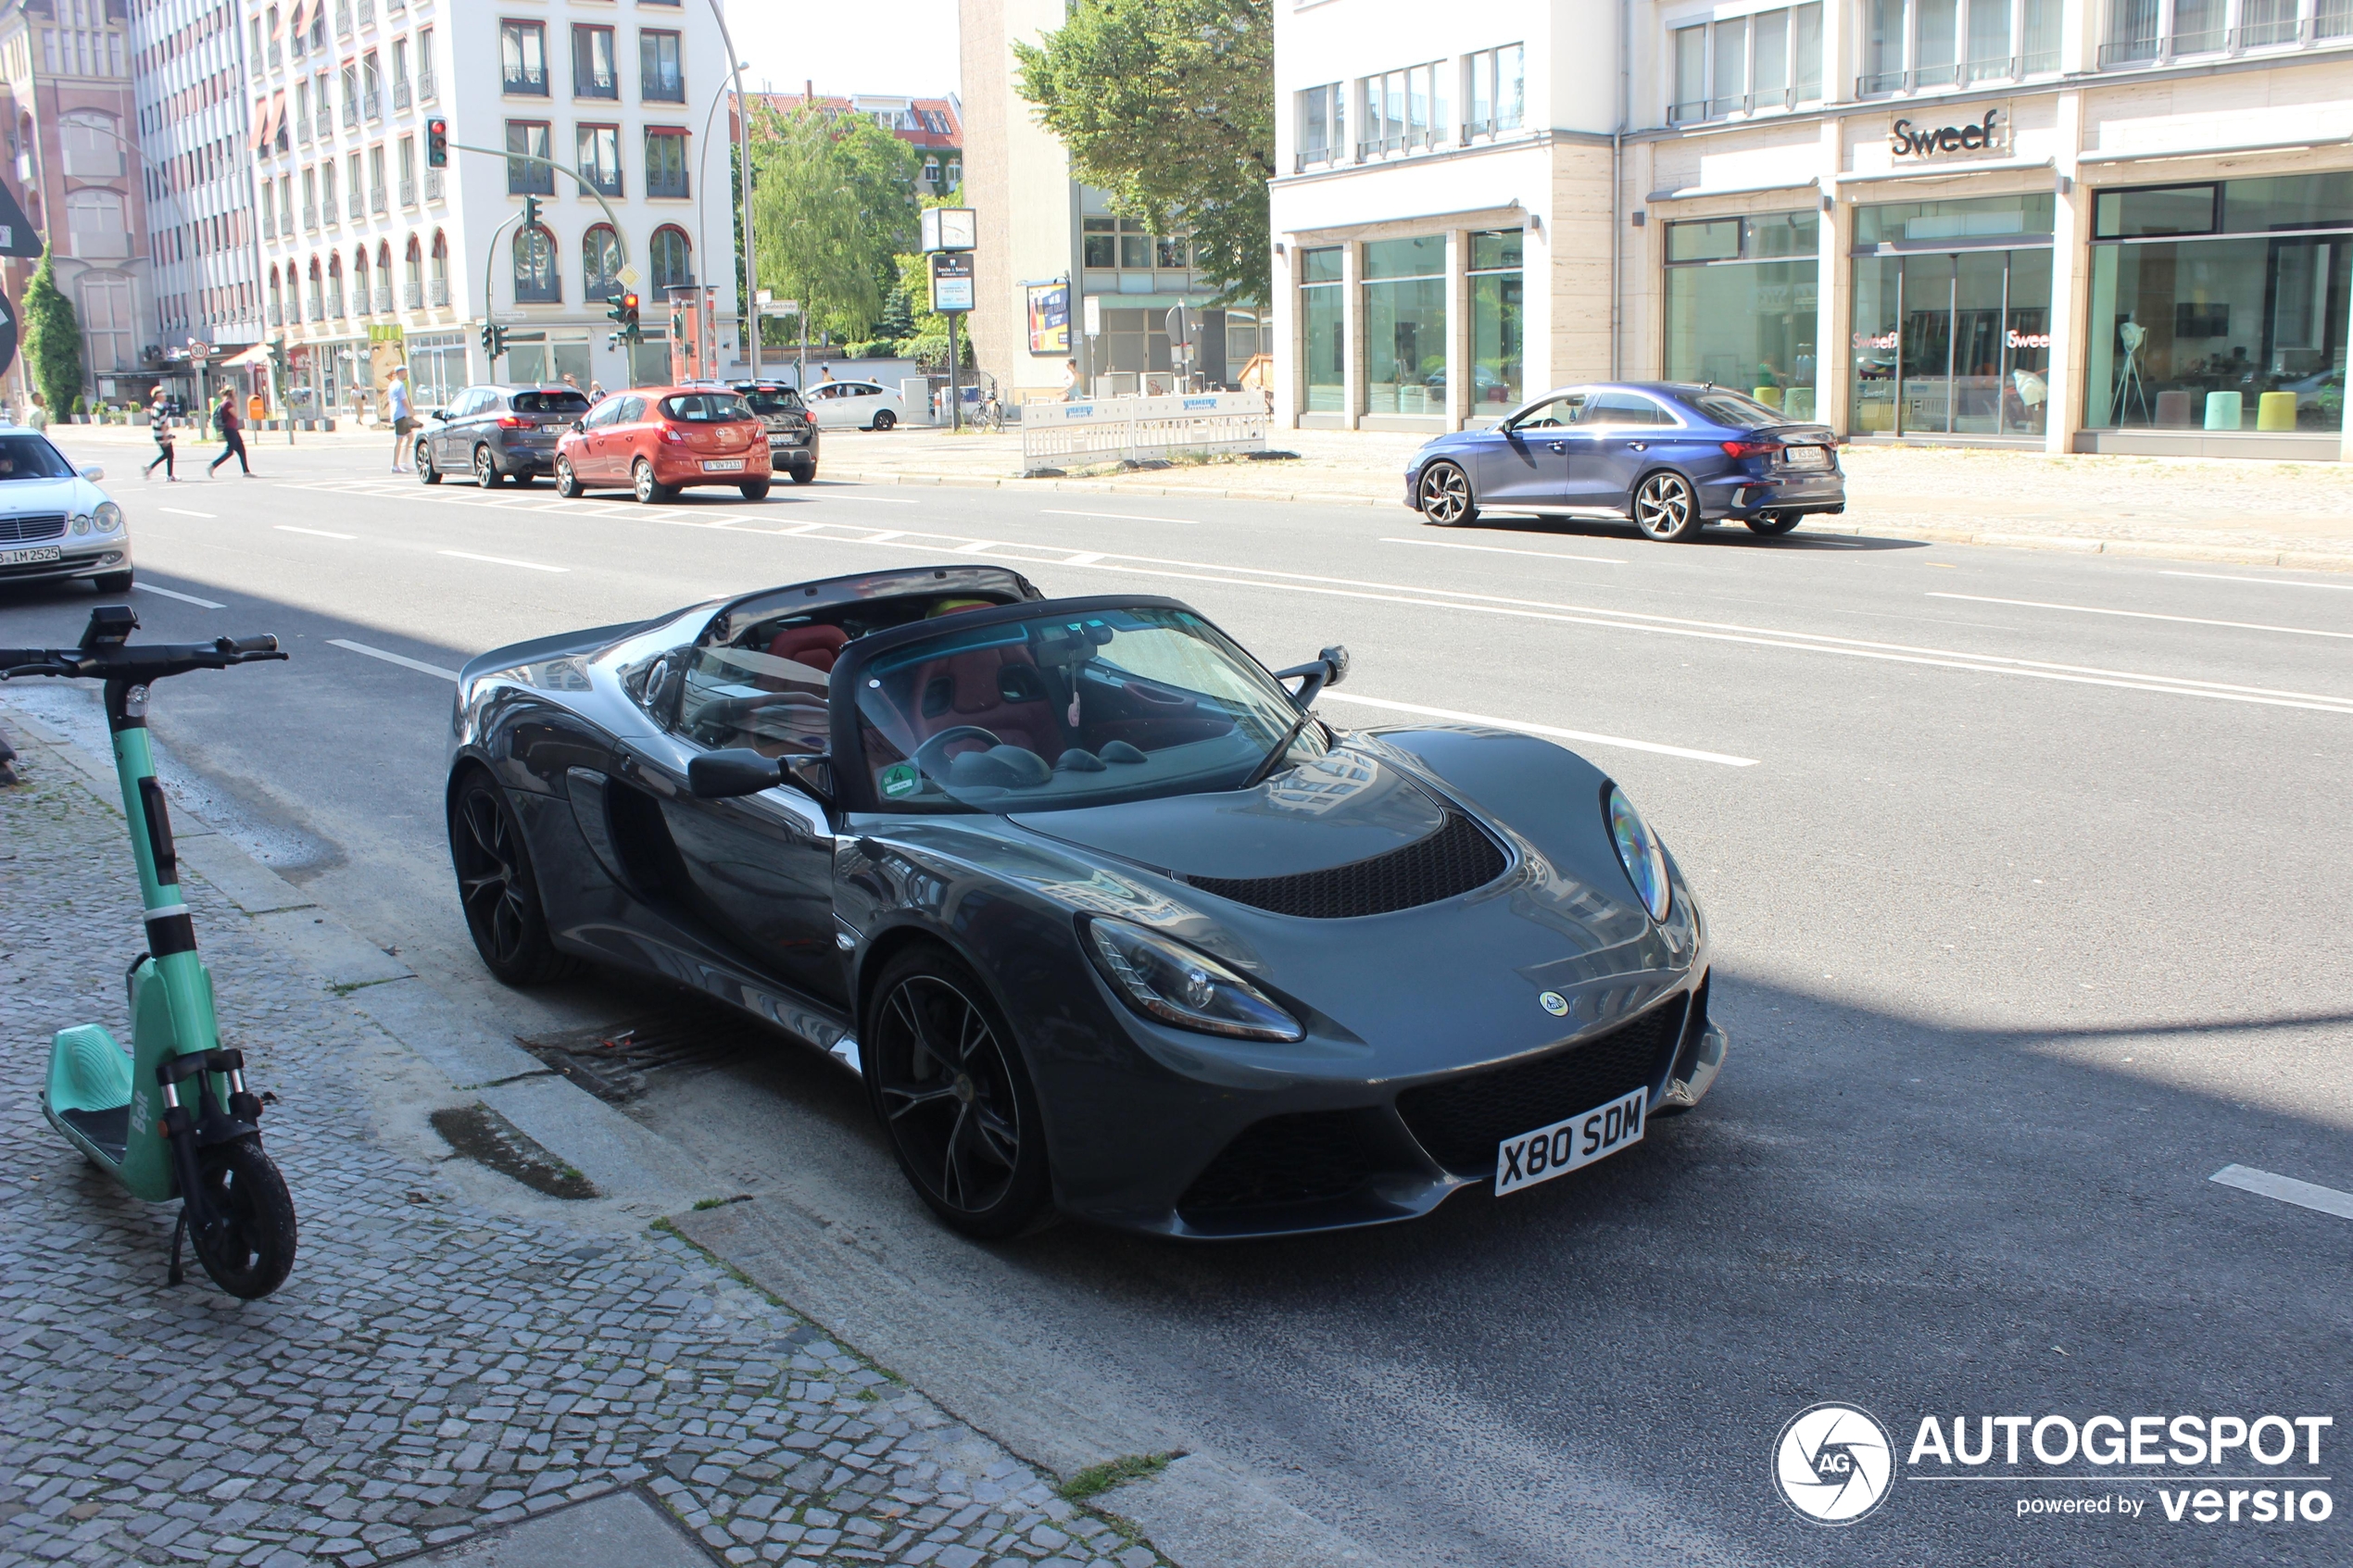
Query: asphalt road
x=2028 y=875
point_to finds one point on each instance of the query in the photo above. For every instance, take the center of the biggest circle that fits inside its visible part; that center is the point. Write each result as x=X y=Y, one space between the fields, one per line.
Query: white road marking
x=1501 y=550
x=176 y=593
x=2266 y=581
x=2287 y=1189
x=182 y=511
x=2146 y=615
x=1120 y=517
x=1084 y=558
x=878 y=500
x=402 y=660
x=314 y=533
x=502 y=560
x=1548 y=731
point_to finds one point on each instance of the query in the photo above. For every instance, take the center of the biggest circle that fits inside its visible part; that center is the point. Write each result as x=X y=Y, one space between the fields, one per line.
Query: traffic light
x=436 y=142
x=494 y=339
x=625 y=312
x=531 y=212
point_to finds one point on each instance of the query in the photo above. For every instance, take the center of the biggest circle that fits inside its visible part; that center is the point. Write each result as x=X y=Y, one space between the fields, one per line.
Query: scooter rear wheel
x=252 y=1250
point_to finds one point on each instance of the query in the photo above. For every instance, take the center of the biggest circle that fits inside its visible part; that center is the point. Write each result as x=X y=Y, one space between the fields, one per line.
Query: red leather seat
x=999 y=689
x=817 y=647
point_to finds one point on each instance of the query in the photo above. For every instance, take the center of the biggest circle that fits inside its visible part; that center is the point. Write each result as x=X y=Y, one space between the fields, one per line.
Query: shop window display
x=1953 y=341
x=1405 y=326
x=1495 y=323
x=1323 y=311
x=1742 y=302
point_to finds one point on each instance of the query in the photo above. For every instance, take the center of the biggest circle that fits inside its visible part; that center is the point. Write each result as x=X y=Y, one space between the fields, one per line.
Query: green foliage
x=52 y=339
x=832 y=201
x=1097 y=1479
x=1169 y=105
x=926 y=341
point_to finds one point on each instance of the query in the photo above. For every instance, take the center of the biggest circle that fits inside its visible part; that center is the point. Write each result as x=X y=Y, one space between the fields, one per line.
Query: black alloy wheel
x=486 y=472
x=250 y=1248
x=805 y=475
x=754 y=490
x=947 y=1082
x=1774 y=522
x=426 y=472
x=496 y=888
x=1445 y=494
x=1666 y=509
x=885 y=419
x=567 y=482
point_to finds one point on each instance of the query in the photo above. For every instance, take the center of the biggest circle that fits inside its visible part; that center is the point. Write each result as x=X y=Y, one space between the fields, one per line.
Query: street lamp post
x=702 y=215
x=743 y=170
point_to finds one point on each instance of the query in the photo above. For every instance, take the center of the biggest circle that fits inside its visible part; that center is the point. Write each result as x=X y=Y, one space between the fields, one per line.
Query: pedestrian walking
x=1072 y=392
x=570 y=383
x=595 y=391
x=159 y=426
x=225 y=421
x=38 y=415
x=397 y=404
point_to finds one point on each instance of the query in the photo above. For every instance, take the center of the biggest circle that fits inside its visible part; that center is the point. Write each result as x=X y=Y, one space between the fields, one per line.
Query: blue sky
x=897 y=47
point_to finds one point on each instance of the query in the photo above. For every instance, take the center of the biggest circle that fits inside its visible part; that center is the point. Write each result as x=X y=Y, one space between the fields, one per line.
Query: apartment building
x=2078 y=225
x=933 y=127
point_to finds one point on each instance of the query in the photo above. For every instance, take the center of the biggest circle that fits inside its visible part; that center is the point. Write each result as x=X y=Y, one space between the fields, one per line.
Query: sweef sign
x=1991 y=134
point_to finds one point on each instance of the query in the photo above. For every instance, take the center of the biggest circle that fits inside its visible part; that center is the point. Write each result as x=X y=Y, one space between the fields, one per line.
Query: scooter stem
x=172 y=934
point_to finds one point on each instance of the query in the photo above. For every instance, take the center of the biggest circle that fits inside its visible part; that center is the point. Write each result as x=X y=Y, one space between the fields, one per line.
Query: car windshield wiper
x=1282 y=747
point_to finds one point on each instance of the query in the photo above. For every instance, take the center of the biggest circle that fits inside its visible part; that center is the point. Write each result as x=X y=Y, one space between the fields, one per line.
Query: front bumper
x=86 y=560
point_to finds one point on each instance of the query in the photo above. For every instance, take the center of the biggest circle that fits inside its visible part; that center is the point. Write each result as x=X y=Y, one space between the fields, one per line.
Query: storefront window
x=1952 y=329
x=1495 y=322
x=1742 y=296
x=2240 y=329
x=1405 y=326
x=1322 y=308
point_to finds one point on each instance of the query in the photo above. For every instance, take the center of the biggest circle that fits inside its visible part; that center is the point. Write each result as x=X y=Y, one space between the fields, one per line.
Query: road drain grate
x=615 y=1061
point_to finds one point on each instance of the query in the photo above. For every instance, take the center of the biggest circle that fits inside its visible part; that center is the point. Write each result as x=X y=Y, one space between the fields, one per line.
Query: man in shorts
x=403 y=422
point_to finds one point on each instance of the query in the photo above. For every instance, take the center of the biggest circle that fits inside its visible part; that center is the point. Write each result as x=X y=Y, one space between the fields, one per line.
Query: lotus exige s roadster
x=1106 y=917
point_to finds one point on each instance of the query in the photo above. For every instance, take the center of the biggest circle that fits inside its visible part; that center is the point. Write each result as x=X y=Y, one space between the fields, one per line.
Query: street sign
x=951 y=279
x=7 y=334
x=16 y=237
x=948 y=228
x=1181 y=322
x=627 y=277
x=1094 y=319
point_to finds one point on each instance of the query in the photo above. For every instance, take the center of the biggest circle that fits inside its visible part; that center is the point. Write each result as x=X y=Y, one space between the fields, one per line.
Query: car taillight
x=672 y=433
x=1750 y=449
x=510 y=421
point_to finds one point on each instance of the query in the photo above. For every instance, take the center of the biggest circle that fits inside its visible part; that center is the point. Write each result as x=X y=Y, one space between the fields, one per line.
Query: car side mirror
x=813 y=772
x=1335 y=659
x=718 y=776
x=1327 y=669
x=580 y=427
x=93 y=474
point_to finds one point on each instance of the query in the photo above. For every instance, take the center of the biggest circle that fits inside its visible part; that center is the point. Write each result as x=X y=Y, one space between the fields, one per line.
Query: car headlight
x=1173 y=984
x=81 y=522
x=107 y=517
x=1640 y=851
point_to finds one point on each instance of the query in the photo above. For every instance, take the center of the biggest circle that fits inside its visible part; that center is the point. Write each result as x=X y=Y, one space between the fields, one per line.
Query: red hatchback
x=658 y=439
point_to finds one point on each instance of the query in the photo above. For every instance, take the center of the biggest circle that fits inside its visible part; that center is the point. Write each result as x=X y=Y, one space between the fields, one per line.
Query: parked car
x=792 y=429
x=1101 y=913
x=659 y=440
x=54 y=522
x=855 y=405
x=498 y=433
x=1673 y=458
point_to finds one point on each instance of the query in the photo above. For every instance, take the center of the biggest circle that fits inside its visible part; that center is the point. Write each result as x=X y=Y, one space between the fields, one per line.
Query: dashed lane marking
x=1119 y=517
x=2147 y=615
x=1506 y=550
x=2287 y=1189
x=184 y=598
x=314 y=533
x=402 y=660
x=2266 y=581
x=1548 y=731
x=182 y=511
x=502 y=560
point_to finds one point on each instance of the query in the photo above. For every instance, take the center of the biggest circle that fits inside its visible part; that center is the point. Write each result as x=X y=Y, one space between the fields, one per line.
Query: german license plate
x=723 y=465
x=1807 y=457
x=1566 y=1146
x=32 y=557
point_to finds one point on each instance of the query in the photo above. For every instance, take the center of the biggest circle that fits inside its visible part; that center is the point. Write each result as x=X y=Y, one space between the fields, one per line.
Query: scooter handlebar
x=148 y=661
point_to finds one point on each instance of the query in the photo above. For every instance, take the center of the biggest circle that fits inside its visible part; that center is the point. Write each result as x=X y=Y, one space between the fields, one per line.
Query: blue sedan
x=1673 y=458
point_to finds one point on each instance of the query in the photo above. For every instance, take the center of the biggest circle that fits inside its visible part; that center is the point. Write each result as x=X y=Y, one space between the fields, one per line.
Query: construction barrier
x=1068 y=436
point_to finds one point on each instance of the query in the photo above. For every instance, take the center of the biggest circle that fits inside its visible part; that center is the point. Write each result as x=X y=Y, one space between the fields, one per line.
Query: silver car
x=54 y=522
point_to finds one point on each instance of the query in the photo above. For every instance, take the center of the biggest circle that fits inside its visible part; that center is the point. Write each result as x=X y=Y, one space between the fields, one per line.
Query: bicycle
x=103 y=1099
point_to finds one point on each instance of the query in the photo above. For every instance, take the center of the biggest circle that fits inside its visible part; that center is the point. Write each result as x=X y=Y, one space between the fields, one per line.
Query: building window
x=91 y=151
x=528 y=139
x=1323 y=311
x=536 y=278
x=1496 y=348
x=1405 y=325
x=399 y=74
x=106 y=325
x=1494 y=90
x=1770 y=60
x=1742 y=297
x=660 y=79
x=2220 y=306
x=328 y=212
x=1099 y=242
x=599 y=148
x=1911 y=44
x=1323 y=126
x=599 y=263
x=407 y=171
x=412 y=279
x=354 y=195
x=1401 y=110
x=1952 y=339
x=372 y=102
x=523 y=57
x=593 y=74
x=672 y=259
x=665 y=163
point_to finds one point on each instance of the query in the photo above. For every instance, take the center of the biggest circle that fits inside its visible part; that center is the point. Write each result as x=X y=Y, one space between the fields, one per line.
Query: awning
x=260 y=132
x=257 y=355
x=293 y=23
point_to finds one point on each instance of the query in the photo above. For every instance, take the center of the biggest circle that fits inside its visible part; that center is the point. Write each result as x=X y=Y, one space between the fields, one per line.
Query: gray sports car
x=1106 y=917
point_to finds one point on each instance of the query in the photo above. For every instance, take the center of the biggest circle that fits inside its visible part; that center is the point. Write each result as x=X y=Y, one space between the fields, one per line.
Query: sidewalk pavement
x=2190 y=508
x=458 y=1371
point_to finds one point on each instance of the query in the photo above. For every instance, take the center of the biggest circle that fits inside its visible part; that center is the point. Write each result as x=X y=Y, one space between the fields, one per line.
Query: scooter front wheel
x=251 y=1248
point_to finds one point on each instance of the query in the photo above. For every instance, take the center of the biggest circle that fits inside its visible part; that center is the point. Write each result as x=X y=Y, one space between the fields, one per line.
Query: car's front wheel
x=426 y=472
x=1444 y=492
x=486 y=472
x=496 y=886
x=1774 y=522
x=946 y=1079
x=885 y=419
x=567 y=482
x=754 y=490
x=1665 y=507
x=805 y=475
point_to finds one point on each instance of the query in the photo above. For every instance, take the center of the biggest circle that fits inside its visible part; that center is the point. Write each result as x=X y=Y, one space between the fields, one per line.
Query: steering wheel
x=932 y=756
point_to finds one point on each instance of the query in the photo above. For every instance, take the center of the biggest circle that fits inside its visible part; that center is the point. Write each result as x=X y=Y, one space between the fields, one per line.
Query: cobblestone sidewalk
x=433 y=1369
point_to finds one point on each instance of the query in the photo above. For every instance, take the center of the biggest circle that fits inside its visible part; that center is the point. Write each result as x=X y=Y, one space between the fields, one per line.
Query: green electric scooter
x=171 y=1117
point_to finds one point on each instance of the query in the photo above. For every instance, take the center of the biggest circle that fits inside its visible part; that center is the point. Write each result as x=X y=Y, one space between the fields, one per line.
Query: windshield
x=1739 y=412
x=774 y=400
x=28 y=455
x=1054 y=711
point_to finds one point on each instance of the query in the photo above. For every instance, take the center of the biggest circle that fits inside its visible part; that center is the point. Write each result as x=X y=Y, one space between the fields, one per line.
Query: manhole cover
x=616 y=1061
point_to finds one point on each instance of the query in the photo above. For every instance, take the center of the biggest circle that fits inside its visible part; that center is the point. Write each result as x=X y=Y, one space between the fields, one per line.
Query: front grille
x=13 y=529
x=1454 y=859
x=1304 y=1157
x=1462 y=1120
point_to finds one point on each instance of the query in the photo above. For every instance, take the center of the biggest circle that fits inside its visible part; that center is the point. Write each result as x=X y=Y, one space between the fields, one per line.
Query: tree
x=833 y=205
x=1169 y=106
x=52 y=339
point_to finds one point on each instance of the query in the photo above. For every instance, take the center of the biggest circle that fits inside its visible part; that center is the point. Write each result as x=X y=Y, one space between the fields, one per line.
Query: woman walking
x=225 y=421
x=159 y=426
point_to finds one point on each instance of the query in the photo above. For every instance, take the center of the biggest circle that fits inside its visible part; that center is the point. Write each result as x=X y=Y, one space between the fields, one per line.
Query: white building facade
x=2075 y=225
x=371 y=257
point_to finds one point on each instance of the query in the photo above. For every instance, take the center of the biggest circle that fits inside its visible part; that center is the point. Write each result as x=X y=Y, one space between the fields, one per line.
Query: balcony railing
x=373 y=107
x=326 y=120
x=427 y=88
x=275 y=314
x=302 y=130
x=437 y=292
x=531 y=82
x=273 y=53
x=350 y=113
x=343 y=18
x=401 y=94
x=377 y=203
x=310 y=217
x=530 y=293
x=367 y=13
x=359 y=204
x=433 y=184
x=412 y=295
x=407 y=192
x=383 y=299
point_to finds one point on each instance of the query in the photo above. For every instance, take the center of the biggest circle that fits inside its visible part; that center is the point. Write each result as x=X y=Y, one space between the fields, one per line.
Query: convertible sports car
x=1106 y=917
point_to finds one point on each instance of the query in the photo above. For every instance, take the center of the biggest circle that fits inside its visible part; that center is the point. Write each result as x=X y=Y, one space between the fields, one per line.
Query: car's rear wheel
x=1445 y=494
x=1774 y=522
x=1665 y=507
x=946 y=1081
x=426 y=472
x=496 y=887
x=486 y=472
x=567 y=482
x=885 y=419
x=755 y=489
x=647 y=489
x=526 y=479
x=805 y=475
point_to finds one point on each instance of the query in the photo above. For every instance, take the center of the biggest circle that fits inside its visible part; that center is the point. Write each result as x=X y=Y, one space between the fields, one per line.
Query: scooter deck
x=110 y=1129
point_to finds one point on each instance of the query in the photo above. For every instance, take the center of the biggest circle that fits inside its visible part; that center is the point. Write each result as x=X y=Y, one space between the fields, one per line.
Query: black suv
x=498 y=433
x=792 y=429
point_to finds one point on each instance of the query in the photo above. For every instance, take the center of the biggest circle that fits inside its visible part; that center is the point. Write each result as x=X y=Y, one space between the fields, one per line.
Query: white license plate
x=33 y=557
x=1807 y=457
x=721 y=465
x=1566 y=1146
